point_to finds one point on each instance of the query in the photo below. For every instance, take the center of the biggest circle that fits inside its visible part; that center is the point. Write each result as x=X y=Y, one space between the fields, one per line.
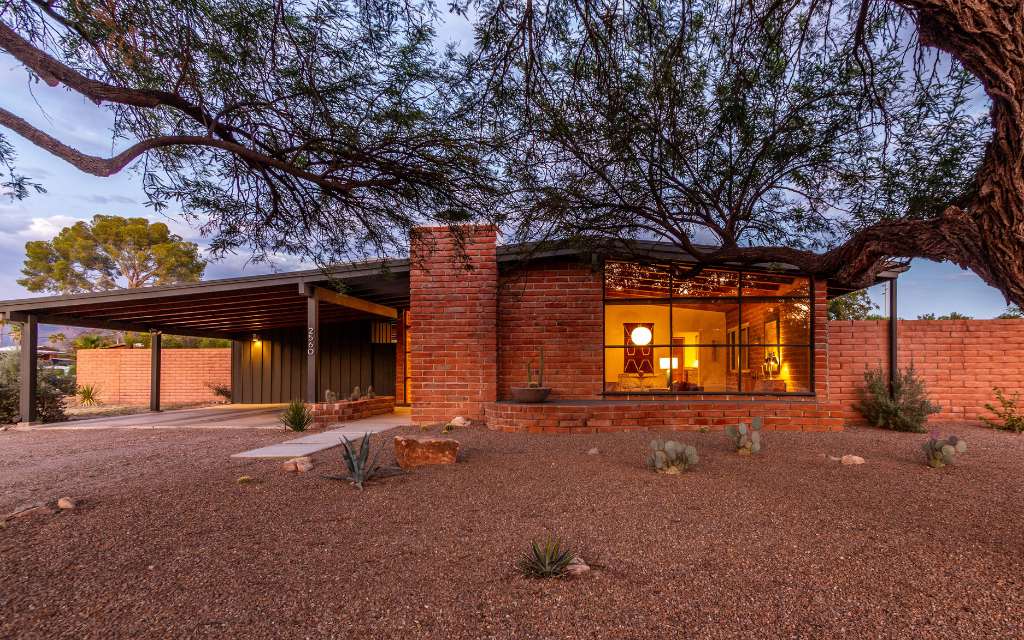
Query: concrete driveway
x=225 y=416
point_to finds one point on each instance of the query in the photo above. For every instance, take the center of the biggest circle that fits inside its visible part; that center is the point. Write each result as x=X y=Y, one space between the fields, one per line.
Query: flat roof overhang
x=231 y=307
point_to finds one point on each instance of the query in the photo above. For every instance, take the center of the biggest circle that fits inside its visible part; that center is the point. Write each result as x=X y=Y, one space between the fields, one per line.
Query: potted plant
x=534 y=391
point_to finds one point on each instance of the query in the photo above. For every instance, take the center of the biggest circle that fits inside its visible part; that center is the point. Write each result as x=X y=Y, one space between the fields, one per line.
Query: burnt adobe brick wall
x=121 y=376
x=453 y=342
x=959 y=360
x=557 y=306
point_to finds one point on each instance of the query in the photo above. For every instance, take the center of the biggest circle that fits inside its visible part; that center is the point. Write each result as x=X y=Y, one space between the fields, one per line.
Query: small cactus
x=671 y=457
x=530 y=371
x=746 y=440
x=330 y=397
x=355 y=395
x=939 y=453
x=370 y=393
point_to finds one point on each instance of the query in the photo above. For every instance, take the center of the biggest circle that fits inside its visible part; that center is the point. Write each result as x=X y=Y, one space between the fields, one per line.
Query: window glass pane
x=628 y=280
x=775 y=284
x=777 y=321
x=637 y=369
x=636 y=324
x=775 y=369
x=709 y=283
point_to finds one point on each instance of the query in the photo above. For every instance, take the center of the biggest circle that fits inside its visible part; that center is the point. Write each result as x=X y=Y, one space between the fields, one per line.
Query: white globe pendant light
x=640 y=336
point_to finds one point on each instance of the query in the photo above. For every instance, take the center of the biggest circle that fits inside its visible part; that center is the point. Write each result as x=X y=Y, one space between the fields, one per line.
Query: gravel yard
x=788 y=544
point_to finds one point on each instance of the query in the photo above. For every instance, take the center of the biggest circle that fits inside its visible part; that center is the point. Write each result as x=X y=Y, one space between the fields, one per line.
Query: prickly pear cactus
x=939 y=453
x=671 y=457
x=746 y=439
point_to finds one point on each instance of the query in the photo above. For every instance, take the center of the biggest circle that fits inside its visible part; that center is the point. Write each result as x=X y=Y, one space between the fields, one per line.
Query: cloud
x=115 y=199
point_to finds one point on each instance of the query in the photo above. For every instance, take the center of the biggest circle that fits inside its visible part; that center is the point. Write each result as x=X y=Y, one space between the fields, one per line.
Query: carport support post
x=894 y=343
x=312 y=344
x=155 y=340
x=28 y=371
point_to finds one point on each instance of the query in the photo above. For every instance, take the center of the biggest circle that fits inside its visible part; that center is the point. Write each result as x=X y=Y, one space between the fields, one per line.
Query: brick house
x=629 y=339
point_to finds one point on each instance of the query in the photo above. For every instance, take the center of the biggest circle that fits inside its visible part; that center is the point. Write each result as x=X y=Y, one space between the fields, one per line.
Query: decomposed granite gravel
x=166 y=543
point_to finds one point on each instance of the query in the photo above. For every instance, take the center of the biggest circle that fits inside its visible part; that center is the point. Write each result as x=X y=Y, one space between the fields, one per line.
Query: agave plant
x=297 y=416
x=88 y=395
x=360 y=466
x=546 y=560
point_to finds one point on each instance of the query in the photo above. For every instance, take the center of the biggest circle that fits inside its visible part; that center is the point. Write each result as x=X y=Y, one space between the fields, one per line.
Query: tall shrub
x=50 y=400
x=906 y=409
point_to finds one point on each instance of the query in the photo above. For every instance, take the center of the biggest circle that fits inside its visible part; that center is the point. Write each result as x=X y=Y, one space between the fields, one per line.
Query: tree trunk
x=987 y=36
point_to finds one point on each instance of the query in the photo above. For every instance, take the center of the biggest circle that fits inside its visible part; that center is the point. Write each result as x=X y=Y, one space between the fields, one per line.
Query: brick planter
x=326 y=414
x=675 y=415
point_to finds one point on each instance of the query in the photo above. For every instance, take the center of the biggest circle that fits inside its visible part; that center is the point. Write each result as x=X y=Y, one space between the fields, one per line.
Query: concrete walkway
x=327 y=439
x=225 y=416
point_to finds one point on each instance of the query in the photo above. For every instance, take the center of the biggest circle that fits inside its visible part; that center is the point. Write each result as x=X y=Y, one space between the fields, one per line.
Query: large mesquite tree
x=832 y=136
x=818 y=133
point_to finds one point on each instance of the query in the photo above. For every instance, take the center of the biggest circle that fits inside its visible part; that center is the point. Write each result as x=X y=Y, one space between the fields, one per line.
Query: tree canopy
x=833 y=135
x=853 y=306
x=110 y=252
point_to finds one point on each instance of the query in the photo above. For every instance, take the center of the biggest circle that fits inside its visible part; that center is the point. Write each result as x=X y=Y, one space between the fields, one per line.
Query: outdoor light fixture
x=640 y=336
x=255 y=339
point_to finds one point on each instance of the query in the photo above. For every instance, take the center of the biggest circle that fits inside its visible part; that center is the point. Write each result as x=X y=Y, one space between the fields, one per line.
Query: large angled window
x=669 y=331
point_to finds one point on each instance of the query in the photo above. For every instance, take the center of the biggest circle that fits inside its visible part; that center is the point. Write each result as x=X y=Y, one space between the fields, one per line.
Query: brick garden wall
x=959 y=360
x=453 y=303
x=121 y=376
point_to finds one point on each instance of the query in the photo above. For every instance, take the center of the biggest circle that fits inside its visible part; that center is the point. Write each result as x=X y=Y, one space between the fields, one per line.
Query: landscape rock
x=66 y=503
x=416 y=451
x=577 y=568
x=459 y=421
x=301 y=464
x=850 y=459
x=593 y=452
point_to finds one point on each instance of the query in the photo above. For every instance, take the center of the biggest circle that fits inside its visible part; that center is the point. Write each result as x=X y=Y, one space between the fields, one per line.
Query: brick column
x=453 y=284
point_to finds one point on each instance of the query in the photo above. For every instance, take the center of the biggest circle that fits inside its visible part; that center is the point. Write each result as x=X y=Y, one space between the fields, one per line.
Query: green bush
x=906 y=409
x=297 y=416
x=50 y=402
x=1008 y=412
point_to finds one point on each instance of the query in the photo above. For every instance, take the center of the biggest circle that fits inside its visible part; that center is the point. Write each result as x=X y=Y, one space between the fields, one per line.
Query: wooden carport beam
x=349 y=302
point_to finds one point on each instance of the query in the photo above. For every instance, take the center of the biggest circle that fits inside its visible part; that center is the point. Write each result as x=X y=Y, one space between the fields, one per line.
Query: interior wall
x=273 y=369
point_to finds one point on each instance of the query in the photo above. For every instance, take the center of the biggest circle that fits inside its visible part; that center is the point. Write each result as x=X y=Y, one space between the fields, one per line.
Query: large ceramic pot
x=530 y=394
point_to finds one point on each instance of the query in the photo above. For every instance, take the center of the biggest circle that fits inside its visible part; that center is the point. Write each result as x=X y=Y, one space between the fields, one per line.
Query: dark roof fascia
x=354 y=270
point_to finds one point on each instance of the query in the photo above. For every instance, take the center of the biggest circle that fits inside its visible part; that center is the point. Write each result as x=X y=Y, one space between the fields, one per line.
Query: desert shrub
x=297 y=416
x=906 y=409
x=62 y=382
x=88 y=395
x=549 y=559
x=50 y=402
x=220 y=390
x=1007 y=413
x=938 y=453
x=671 y=457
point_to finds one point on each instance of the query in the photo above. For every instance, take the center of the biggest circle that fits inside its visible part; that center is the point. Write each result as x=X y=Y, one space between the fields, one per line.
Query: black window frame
x=669 y=300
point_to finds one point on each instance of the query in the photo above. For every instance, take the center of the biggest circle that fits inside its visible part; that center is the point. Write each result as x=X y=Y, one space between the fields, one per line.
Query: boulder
x=459 y=422
x=593 y=452
x=416 y=451
x=301 y=464
x=850 y=459
x=66 y=503
x=577 y=568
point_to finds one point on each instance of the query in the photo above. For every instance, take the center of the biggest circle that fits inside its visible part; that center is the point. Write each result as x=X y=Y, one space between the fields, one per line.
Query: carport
x=293 y=335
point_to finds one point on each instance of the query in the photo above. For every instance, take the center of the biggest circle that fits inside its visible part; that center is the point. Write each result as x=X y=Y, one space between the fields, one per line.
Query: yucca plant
x=297 y=416
x=88 y=395
x=361 y=468
x=546 y=560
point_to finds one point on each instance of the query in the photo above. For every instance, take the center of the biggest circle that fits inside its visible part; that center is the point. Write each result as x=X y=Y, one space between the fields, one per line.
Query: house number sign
x=311 y=341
